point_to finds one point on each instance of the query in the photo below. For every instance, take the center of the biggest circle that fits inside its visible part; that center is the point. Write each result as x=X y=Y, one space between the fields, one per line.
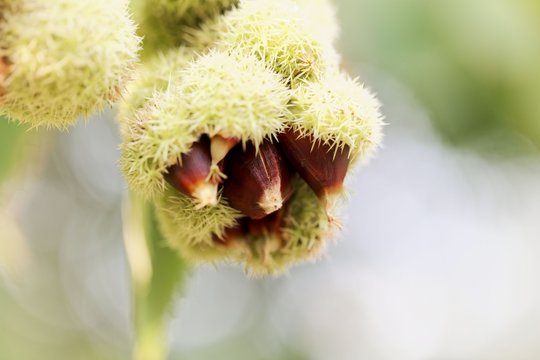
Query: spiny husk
x=338 y=111
x=163 y=23
x=193 y=231
x=218 y=94
x=276 y=32
x=158 y=73
x=203 y=235
x=302 y=237
x=68 y=58
x=235 y=95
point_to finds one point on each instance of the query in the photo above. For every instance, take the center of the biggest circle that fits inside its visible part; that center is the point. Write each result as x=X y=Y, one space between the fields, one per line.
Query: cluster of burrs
x=62 y=59
x=242 y=128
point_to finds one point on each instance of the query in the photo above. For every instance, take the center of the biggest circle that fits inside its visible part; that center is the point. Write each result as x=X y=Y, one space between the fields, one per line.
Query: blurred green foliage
x=11 y=150
x=475 y=65
x=27 y=336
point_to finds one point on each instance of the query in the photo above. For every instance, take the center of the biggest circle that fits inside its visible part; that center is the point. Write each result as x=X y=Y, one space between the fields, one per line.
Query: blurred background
x=440 y=258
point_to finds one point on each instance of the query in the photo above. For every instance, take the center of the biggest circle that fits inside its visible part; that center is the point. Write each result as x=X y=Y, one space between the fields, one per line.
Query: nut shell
x=324 y=168
x=258 y=182
x=189 y=176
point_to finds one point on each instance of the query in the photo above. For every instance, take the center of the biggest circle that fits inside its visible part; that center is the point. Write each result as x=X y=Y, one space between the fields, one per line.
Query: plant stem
x=157 y=273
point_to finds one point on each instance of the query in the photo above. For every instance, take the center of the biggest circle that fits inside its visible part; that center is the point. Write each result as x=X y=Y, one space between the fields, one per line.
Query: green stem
x=157 y=275
x=14 y=145
x=150 y=342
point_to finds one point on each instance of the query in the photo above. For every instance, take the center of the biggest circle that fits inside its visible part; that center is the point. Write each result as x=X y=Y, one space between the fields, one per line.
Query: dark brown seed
x=258 y=183
x=322 y=167
x=190 y=175
x=270 y=224
x=252 y=228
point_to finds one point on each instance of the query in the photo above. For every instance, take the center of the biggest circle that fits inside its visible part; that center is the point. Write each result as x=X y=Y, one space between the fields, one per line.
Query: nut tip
x=206 y=195
x=329 y=201
x=220 y=147
x=271 y=200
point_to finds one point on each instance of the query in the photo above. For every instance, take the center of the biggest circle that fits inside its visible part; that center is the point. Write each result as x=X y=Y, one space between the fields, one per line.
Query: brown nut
x=258 y=183
x=190 y=175
x=270 y=224
x=323 y=168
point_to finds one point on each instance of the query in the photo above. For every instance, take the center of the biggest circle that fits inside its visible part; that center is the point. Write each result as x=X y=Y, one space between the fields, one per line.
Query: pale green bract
x=153 y=123
x=67 y=58
x=200 y=235
x=320 y=18
x=234 y=95
x=339 y=112
x=153 y=140
x=195 y=232
x=276 y=32
x=191 y=12
x=302 y=237
x=165 y=23
x=159 y=73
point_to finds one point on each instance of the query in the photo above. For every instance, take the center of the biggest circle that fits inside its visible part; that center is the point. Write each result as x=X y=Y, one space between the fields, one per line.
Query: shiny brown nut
x=323 y=168
x=259 y=181
x=270 y=224
x=190 y=175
